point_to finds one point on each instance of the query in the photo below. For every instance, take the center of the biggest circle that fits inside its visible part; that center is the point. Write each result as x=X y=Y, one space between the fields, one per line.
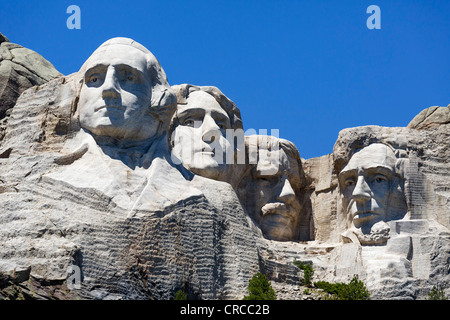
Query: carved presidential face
x=367 y=183
x=199 y=136
x=277 y=206
x=116 y=94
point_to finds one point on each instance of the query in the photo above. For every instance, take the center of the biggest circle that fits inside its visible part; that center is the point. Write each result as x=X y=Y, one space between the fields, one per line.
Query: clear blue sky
x=307 y=68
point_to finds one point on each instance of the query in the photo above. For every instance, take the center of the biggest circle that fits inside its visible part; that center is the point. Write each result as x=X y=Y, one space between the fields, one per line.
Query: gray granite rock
x=431 y=117
x=93 y=206
x=20 y=69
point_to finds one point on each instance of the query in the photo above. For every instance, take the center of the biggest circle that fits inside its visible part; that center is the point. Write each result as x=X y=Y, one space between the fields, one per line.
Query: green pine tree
x=354 y=290
x=259 y=288
x=181 y=295
x=437 y=293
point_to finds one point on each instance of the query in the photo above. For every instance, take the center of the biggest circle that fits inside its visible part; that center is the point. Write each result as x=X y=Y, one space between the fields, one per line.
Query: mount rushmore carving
x=149 y=188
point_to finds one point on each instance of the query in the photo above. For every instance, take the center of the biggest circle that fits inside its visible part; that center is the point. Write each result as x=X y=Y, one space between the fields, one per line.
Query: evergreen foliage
x=437 y=293
x=259 y=288
x=181 y=295
x=354 y=290
x=308 y=272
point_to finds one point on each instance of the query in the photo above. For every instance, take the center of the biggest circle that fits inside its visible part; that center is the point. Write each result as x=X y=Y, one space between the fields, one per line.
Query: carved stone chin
x=379 y=234
x=273 y=189
x=118 y=186
x=116 y=93
x=203 y=134
x=368 y=182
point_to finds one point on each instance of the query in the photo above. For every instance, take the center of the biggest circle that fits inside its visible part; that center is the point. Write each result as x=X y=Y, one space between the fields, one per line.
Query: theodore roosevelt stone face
x=275 y=188
x=116 y=94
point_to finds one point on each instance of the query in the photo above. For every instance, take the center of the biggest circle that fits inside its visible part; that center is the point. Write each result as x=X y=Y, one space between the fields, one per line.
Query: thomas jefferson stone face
x=199 y=138
x=116 y=94
x=367 y=182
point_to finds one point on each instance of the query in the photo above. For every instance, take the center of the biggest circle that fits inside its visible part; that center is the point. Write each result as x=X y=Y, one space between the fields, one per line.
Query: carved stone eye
x=189 y=122
x=349 y=182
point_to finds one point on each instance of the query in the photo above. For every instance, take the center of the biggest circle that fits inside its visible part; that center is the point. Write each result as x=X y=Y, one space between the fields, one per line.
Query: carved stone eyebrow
x=221 y=116
x=344 y=175
x=131 y=69
x=388 y=172
x=348 y=172
x=262 y=175
x=190 y=111
x=94 y=69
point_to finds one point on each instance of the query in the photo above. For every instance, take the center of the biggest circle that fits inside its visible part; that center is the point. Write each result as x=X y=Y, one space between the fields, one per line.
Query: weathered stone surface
x=322 y=192
x=86 y=187
x=200 y=242
x=20 y=69
x=272 y=190
x=64 y=202
x=415 y=255
x=431 y=117
x=3 y=38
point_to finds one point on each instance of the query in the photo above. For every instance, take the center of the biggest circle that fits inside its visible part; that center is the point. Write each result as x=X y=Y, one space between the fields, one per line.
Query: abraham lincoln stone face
x=369 y=186
x=367 y=180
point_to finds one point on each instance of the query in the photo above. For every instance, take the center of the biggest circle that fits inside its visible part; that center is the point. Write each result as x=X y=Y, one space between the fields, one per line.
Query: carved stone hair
x=183 y=91
x=402 y=141
x=254 y=143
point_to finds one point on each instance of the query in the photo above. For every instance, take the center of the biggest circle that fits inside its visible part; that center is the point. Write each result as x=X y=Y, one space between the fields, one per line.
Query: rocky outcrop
x=431 y=117
x=201 y=241
x=322 y=190
x=84 y=216
x=20 y=69
x=415 y=257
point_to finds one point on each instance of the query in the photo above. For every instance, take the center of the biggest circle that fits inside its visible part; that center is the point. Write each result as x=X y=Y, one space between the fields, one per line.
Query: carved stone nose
x=110 y=87
x=210 y=130
x=287 y=193
x=361 y=193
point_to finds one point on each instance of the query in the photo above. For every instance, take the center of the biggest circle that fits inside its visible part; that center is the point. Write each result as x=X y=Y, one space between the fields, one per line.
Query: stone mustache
x=125 y=103
x=150 y=188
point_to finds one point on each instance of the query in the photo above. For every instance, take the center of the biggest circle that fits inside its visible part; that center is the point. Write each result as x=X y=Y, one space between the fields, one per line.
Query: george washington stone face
x=121 y=81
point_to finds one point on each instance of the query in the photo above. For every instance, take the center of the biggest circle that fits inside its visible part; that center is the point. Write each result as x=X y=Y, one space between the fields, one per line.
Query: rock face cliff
x=78 y=221
x=199 y=240
x=20 y=69
x=415 y=257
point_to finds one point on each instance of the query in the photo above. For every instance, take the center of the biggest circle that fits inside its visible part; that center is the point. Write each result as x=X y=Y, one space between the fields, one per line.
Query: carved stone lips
x=207 y=150
x=362 y=215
